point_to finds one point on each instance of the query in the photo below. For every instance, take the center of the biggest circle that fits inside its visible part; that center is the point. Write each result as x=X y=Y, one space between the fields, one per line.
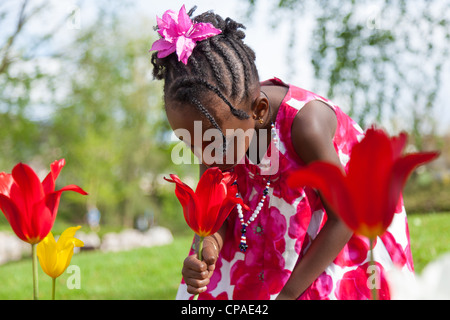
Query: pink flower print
x=282 y=189
x=355 y=284
x=257 y=279
x=209 y=296
x=255 y=283
x=398 y=255
x=319 y=290
x=354 y=252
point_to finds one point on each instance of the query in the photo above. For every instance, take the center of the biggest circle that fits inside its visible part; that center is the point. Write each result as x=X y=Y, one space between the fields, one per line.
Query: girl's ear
x=260 y=107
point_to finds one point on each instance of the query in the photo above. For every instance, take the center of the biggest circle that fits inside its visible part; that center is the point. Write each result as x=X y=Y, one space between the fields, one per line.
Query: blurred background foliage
x=92 y=99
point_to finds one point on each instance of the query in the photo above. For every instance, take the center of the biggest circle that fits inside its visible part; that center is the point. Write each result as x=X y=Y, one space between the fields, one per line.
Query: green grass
x=430 y=237
x=154 y=273
x=143 y=273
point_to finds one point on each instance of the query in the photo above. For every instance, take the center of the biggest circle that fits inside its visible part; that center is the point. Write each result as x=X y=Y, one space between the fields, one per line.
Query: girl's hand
x=197 y=273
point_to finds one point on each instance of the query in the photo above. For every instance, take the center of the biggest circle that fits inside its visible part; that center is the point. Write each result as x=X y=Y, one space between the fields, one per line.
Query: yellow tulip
x=55 y=257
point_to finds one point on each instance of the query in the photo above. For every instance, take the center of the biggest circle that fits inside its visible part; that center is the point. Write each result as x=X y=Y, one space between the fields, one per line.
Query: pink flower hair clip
x=180 y=34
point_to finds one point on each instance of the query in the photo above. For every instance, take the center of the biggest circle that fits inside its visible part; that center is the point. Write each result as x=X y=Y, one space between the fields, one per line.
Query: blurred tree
x=384 y=59
x=109 y=123
x=20 y=74
x=102 y=109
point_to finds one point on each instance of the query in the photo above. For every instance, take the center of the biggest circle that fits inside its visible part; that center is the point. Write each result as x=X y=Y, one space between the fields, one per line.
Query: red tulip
x=29 y=205
x=366 y=197
x=206 y=209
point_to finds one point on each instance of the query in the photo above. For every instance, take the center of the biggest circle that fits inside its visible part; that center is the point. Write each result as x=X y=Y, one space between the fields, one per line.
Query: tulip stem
x=35 y=271
x=373 y=288
x=53 y=288
x=200 y=247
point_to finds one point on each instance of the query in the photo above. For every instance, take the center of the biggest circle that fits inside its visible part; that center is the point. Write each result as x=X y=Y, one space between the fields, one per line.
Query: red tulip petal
x=183 y=192
x=325 y=177
x=16 y=195
x=191 y=213
x=29 y=185
x=400 y=172
x=222 y=199
x=49 y=181
x=14 y=216
x=45 y=211
x=227 y=206
x=229 y=178
x=212 y=208
x=52 y=203
x=368 y=178
x=211 y=191
x=398 y=144
x=188 y=200
x=43 y=217
x=330 y=181
x=6 y=181
x=210 y=178
x=73 y=187
x=209 y=218
x=175 y=179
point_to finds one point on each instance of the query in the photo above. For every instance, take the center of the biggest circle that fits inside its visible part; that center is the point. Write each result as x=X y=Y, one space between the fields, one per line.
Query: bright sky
x=269 y=43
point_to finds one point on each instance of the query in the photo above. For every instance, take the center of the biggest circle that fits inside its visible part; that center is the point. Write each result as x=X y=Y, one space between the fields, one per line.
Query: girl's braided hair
x=222 y=64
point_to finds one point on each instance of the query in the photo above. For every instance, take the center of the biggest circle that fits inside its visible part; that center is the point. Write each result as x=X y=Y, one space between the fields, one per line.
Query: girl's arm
x=196 y=273
x=313 y=130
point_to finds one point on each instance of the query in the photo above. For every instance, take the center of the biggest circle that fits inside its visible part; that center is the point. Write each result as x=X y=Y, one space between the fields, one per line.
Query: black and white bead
x=243 y=243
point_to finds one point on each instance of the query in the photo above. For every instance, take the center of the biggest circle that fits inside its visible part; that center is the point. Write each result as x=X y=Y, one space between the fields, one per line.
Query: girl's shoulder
x=297 y=97
x=346 y=131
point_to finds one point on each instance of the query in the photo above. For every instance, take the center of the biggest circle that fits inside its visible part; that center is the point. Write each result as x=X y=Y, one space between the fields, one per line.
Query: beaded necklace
x=243 y=243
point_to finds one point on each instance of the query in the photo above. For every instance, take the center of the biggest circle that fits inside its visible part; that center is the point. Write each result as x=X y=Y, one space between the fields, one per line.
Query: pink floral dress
x=290 y=220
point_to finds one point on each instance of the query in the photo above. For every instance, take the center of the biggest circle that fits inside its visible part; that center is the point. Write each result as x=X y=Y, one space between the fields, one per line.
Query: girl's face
x=204 y=139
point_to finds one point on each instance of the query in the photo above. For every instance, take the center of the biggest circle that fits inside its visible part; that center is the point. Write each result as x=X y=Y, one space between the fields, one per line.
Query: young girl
x=290 y=246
